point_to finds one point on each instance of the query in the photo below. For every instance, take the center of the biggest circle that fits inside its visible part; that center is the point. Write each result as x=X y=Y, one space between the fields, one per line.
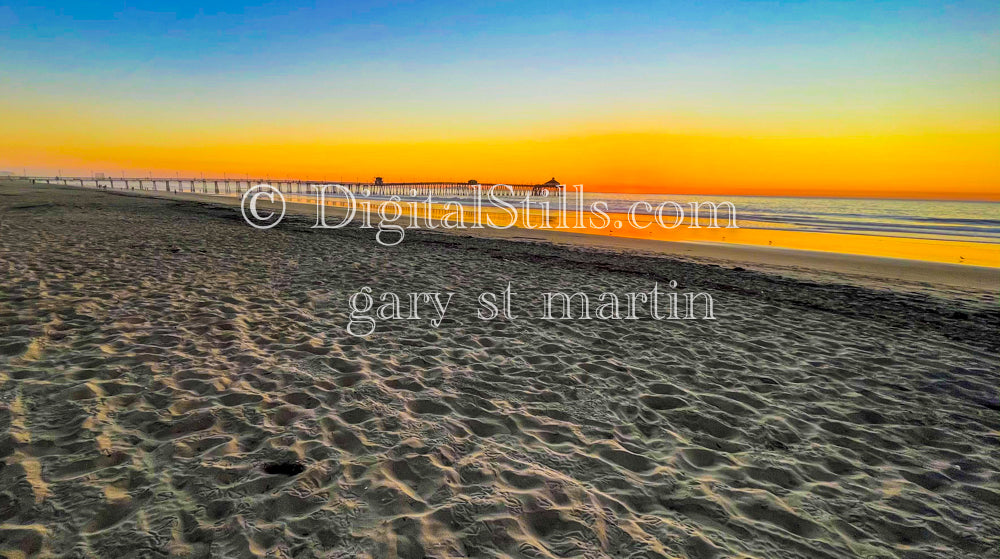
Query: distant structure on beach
x=6 y=174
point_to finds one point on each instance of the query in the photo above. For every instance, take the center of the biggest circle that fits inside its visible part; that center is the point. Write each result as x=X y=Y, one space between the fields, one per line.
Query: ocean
x=928 y=219
x=972 y=221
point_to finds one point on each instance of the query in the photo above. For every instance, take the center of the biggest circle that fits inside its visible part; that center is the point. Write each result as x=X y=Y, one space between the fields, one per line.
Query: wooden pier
x=237 y=186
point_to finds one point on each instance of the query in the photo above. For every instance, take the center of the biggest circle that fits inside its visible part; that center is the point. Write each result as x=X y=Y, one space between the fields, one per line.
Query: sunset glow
x=880 y=100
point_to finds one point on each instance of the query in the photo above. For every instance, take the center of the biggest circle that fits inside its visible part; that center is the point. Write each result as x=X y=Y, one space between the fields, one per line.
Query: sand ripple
x=175 y=383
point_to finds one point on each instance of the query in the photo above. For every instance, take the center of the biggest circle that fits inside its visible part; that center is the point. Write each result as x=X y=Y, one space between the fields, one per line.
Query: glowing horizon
x=868 y=100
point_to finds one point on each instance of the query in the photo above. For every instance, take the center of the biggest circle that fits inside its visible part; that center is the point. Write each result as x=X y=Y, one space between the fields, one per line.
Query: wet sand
x=176 y=383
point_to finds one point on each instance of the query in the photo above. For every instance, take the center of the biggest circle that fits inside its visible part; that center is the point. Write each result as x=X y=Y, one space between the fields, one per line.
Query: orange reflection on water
x=645 y=227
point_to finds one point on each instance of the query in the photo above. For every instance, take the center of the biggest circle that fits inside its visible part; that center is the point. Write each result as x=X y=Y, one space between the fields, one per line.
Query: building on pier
x=552 y=184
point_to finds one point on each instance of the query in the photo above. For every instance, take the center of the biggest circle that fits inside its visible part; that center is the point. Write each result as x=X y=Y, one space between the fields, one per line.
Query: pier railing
x=238 y=186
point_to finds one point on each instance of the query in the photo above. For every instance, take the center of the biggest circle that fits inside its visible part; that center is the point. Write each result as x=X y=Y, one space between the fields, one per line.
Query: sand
x=897 y=274
x=176 y=383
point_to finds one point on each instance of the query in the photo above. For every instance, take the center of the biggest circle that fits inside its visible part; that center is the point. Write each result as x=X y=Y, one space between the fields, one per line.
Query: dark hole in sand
x=284 y=468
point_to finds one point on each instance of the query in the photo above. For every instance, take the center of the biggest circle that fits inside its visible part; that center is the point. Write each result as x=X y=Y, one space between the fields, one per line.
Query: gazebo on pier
x=552 y=184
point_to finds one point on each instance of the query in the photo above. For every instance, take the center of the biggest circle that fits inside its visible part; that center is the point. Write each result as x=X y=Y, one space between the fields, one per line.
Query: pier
x=224 y=186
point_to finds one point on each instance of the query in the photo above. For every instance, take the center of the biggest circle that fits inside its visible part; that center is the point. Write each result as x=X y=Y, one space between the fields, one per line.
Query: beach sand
x=174 y=382
x=860 y=269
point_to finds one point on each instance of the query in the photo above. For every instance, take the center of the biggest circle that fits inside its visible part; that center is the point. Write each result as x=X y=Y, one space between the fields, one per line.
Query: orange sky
x=832 y=99
x=919 y=166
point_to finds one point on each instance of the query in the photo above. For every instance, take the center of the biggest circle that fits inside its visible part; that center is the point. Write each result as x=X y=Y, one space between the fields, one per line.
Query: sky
x=884 y=99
